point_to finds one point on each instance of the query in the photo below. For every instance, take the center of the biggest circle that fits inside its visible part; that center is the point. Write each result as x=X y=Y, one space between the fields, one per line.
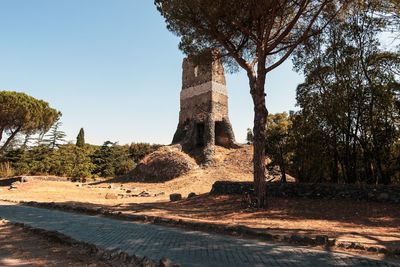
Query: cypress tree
x=80 y=139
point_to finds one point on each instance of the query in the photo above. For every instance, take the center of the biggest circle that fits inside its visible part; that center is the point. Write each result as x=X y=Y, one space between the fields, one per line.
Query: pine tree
x=55 y=137
x=80 y=139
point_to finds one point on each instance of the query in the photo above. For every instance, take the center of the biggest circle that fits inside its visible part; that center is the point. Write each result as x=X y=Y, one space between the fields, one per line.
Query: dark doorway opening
x=200 y=134
x=221 y=135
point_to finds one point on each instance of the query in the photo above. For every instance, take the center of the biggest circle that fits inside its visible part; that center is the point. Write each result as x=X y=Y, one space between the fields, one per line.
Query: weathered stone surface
x=203 y=118
x=315 y=191
x=191 y=195
x=175 y=197
x=111 y=196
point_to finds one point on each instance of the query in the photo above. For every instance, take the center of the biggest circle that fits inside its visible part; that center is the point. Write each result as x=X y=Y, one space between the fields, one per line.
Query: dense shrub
x=69 y=160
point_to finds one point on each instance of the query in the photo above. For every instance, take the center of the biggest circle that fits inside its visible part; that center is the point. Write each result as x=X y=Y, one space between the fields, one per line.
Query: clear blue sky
x=113 y=68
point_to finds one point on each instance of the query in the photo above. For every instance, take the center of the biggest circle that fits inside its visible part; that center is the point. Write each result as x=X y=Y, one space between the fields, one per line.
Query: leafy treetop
x=20 y=113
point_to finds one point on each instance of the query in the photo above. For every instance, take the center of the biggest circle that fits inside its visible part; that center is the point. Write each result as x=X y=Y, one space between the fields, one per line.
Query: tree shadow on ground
x=364 y=222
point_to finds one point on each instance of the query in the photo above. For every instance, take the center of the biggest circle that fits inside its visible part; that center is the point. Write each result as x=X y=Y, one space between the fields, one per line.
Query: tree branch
x=12 y=136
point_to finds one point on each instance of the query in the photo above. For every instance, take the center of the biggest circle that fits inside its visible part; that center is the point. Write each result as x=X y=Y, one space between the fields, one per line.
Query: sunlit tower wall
x=203 y=116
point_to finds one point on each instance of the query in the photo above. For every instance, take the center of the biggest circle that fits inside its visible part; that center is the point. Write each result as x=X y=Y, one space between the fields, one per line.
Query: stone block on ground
x=192 y=195
x=111 y=196
x=175 y=197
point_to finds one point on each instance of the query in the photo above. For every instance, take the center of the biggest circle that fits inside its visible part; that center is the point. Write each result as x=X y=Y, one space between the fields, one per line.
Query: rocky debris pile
x=163 y=165
x=390 y=194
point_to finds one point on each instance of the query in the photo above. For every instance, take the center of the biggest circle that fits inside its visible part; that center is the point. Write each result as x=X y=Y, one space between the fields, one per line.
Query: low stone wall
x=42 y=178
x=389 y=194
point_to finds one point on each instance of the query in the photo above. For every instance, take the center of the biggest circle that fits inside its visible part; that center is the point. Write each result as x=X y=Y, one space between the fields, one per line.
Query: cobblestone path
x=188 y=248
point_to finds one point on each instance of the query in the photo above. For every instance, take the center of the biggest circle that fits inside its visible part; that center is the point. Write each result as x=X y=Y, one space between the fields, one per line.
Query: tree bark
x=260 y=122
x=1 y=133
x=12 y=136
x=335 y=164
x=283 y=177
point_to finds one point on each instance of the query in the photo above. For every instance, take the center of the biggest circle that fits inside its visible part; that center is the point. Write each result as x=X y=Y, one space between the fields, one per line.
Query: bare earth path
x=189 y=248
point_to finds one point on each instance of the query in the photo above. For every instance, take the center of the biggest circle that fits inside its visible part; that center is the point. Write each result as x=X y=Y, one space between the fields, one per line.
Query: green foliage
x=80 y=139
x=257 y=35
x=72 y=161
x=55 y=137
x=111 y=159
x=108 y=160
x=278 y=144
x=347 y=129
x=137 y=151
x=20 y=113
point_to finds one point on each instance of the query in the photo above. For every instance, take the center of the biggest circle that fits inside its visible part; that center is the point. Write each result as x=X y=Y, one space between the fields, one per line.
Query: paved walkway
x=189 y=248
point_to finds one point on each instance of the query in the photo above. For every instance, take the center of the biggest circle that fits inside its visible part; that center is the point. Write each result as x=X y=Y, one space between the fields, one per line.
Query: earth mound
x=164 y=164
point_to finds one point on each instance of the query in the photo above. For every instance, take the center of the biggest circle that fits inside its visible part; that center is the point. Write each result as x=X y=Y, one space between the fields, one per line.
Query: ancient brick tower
x=203 y=118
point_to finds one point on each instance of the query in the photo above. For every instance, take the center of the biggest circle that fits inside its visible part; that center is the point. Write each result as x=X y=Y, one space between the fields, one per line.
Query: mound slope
x=164 y=164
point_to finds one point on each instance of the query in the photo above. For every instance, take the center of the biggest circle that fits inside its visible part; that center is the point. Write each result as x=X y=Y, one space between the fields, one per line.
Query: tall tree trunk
x=282 y=166
x=10 y=138
x=283 y=177
x=335 y=163
x=260 y=122
x=1 y=133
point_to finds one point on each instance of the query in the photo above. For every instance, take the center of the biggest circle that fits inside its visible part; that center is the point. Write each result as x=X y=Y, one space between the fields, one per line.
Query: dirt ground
x=23 y=248
x=365 y=222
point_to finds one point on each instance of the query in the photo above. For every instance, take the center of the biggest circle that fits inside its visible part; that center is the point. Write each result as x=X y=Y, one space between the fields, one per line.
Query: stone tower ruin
x=203 y=117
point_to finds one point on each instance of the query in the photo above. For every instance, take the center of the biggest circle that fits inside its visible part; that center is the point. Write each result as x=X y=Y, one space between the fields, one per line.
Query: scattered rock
x=111 y=196
x=110 y=186
x=25 y=179
x=144 y=194
x=192 y=195
x=175 y=197
x=159 y=194
x=128 y=191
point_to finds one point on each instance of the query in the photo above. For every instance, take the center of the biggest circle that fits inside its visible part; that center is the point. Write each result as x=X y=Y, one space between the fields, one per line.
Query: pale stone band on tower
x=204 y=88
x=203 y=117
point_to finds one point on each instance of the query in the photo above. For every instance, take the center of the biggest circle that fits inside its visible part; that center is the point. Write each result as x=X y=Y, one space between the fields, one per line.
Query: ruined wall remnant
x=203 y=118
